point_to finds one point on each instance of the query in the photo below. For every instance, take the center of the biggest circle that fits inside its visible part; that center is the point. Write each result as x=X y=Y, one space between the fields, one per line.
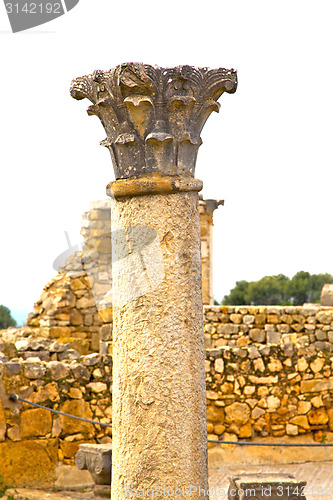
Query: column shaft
x=159 y=405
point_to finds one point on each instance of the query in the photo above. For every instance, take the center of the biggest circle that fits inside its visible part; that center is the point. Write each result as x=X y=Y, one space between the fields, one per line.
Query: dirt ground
x=318 y=475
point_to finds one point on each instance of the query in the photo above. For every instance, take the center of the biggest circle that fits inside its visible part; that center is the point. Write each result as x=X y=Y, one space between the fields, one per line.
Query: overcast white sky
x=268 y=153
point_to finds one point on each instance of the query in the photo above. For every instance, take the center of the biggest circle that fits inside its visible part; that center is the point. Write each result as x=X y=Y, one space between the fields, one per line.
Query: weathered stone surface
x=49 y=392
x=291 y=429
x=58 y=370
x=257 y=335
x=75 y=393
x=219 y=365
x=301 y=421
x=317 y=401
x=237 y=413
x=20 y=463
x=152 y=85
x=317 y=416
x=330 y=418
x=14 y=433
x=257 y=412
x=273 y=337
x=97 y=459
x=215 y=414
x=92 y=359
x=302 y=364
x=58 y=347
x=69 y=477
x=80 y=372
x=273 y=403
x=13 y=368
x=303 y=407
x=326 y=297
x=325 y=317
x=317 y=365
x=177 y=417
x=79 y=408
x=3 y=426
x=274 y=365
x=316 y=385
x=260 y=484
x=259 y=364
x=36 y=422
x=76 y=317
x=33 y=370
x=97 y=386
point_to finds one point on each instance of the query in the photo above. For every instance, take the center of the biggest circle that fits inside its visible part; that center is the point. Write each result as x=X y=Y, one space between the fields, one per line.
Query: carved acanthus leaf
x=150 y=113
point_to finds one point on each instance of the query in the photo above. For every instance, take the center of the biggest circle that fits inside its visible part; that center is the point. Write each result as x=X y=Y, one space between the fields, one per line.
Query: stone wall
x=269 y=377
x=33 y=440
x=78 y=301
x=269 y=371
x=76 y=305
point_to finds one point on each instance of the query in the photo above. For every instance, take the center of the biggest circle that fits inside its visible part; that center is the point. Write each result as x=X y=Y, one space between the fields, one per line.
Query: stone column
x=207 y=208
x=153 y=118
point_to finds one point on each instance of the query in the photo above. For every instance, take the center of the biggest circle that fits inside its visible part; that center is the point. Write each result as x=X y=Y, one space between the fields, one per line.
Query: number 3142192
x=34 y=8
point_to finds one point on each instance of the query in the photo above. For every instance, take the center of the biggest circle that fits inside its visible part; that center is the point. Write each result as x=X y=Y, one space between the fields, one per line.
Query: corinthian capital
x=153 y=116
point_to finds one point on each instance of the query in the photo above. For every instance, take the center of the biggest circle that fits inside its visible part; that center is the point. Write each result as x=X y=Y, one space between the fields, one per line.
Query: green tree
x=279 y=289
x=268 y=290
x=6 y=319
x=238 y=295
x=304 y=287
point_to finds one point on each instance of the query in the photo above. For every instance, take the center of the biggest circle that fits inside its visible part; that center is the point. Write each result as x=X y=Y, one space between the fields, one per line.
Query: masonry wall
x=269 y=371
x=269 y=376
x=76 y=305
x=33 y=440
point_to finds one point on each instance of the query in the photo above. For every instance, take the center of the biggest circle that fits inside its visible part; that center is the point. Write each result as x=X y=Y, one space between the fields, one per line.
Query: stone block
x=33 y=370
x=215 y=414
x=56 y=332
x=257 y=335
x=228 y=329
x=260 y=319
x=69 y=477
x=58 y=370
x=301 y=421
x=291 y=430
x=219 y=365
x=29 y=463
x=303 y=407
x=35 y=423
x=236 y=318
x=273 y=337
x=318 y=416
x=80 y=372
x=97 y=459
x=317 y=365
x=262 y=486
x=106 y=315
x=76 y=318
x=326 y=297
x=13 y=368
x=79 y=408
x=42 y=355
x=49 y=392
x=237 y=413
x=325 y=317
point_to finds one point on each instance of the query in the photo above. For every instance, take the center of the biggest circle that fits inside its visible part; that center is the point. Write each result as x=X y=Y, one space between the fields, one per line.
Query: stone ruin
x=76 y=305
x=268 y=369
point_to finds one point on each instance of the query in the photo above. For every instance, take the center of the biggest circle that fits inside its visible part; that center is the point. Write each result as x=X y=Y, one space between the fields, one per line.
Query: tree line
x=279 y=290
x=6 y=319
